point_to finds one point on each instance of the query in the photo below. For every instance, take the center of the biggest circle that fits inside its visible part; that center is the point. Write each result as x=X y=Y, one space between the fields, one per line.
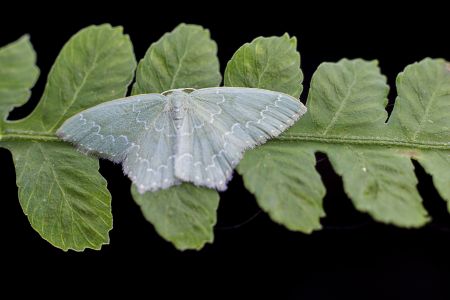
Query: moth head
x=177 y=104
x=183 y=90
x=178 y=100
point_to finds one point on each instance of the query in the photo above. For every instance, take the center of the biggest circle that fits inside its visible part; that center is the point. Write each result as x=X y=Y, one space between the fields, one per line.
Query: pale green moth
x=190 y=135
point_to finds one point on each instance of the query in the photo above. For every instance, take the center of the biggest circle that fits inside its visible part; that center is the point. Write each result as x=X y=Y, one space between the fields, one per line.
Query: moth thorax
x=178 y=101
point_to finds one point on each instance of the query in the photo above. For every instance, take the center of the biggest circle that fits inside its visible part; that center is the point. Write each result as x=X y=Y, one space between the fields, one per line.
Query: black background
x=251 y=257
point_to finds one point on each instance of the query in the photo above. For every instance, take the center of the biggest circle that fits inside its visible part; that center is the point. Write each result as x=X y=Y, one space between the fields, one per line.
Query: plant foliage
x=65 y=197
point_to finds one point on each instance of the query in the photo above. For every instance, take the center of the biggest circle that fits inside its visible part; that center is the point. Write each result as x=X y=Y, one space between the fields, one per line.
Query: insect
x=190 y=135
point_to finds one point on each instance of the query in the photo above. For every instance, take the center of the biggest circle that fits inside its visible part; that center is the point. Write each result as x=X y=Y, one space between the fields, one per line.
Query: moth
x=182 y=135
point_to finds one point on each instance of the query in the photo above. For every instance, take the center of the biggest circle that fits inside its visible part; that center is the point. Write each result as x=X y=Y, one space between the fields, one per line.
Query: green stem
x=16 y=135
x=19 y=135
x=363 y=140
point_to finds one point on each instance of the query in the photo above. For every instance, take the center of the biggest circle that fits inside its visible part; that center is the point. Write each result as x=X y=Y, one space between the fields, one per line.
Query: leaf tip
x=287 y=36
x=292 y=40
x=196 y=246
x=25 y=37
x=375 y=62
x=191 y=26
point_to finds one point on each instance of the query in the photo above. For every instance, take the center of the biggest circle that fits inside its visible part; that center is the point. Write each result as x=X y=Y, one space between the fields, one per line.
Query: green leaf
x=422 y=108
x=346 y=120
x=60 y=189
x=272 y=63
x=380 y=182
x=285 y=183
x=185 y=57
x=372 y=156
x=437 y=163
x=422 y=116
x=184 y=215
x=63 y=195
x=18 y=73
x=279 y=174
x=347 y=98
x=94 y=66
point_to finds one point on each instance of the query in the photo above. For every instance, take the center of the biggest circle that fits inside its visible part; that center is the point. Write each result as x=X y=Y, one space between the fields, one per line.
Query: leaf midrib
x=76 y=93
x=73 y=211
x=342 y=105
x=364 y=140
x=181 y=60
x=17 y=135
x=426 y=112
